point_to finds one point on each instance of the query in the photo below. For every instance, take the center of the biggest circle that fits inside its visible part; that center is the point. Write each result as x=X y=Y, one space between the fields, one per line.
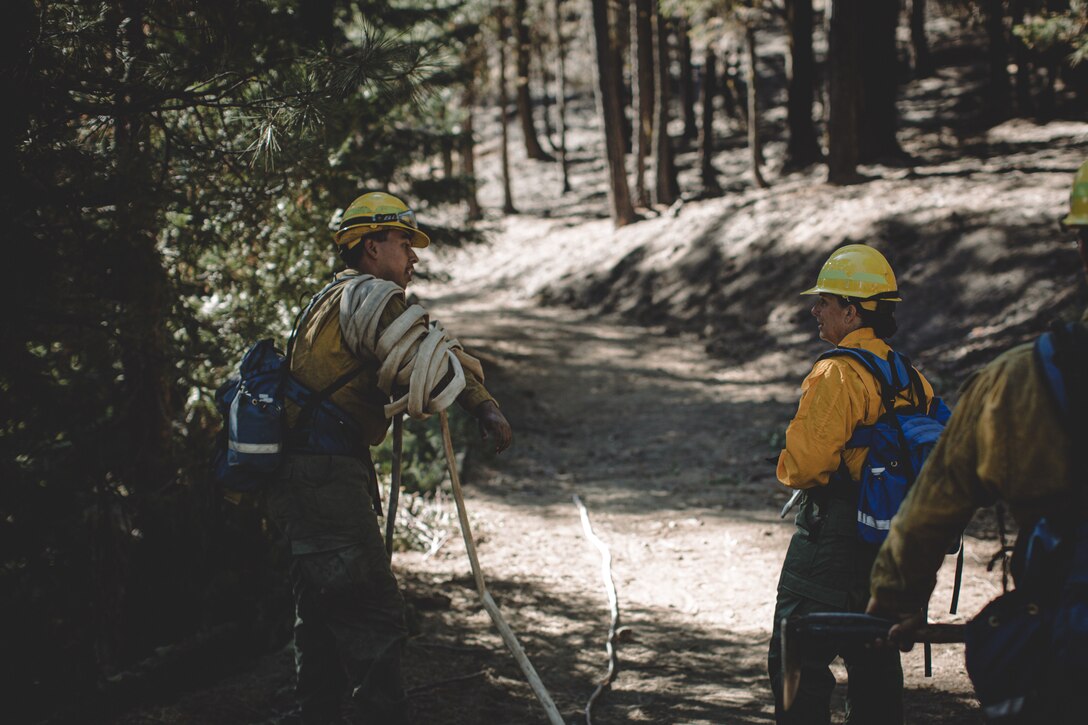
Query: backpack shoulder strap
x=306 y=310
x=1062 y=354
x=889 y=373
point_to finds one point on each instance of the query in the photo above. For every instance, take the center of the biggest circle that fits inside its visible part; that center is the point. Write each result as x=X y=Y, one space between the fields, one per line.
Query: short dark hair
x=882 y=319
x=352 y=257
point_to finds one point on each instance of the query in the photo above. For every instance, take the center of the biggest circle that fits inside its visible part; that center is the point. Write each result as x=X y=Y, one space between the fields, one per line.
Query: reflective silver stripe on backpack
x=878 y=524
x=253 y=447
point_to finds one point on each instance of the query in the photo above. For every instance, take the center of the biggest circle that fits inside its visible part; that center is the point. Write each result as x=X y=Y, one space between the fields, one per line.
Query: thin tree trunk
x=845 y=86
x=611 y=111
x=561 y=94
x=706 y=139
x=755 y=144
x=919 y=44
x=666 y=188
x=545 y=83
x=524 y=100
x=687 y=81
x=504 y=101
x=644 y=62
x=731 y=93
x=997 y=94
x=468 y=141
x=877 y=115
x=803 y=148
x=446 y=144
x=620 y=21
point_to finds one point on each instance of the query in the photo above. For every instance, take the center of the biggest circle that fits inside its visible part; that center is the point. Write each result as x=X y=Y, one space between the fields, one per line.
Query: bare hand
x=903 y=633
x=493 y=425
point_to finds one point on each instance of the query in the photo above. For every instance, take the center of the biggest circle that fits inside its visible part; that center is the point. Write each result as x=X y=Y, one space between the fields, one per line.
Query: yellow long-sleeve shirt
x=838 y=395
x=1003 y=441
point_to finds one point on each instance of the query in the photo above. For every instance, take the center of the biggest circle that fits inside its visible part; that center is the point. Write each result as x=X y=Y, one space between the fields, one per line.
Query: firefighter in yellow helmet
x=350 y=626
x=1006 y=441
x=826 y=568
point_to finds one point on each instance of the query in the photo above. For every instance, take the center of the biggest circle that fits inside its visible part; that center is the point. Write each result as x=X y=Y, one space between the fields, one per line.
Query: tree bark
x=997 y=94
x=620 y=22
x=524 y=100
x=504 y=101
x=666 y=188
x=468 y=140
x=707 y=174
x=755 y=143
x=879 y=68
x=687 y=81
x=803 y=147
x=561 y=94
x=611 y=111
x=845 y=85
x=919 y=44
x=643 y=61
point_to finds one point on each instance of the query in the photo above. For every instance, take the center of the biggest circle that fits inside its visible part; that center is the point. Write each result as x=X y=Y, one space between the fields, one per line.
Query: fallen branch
x=508 y=635
x=613 y=605
x=440 y=683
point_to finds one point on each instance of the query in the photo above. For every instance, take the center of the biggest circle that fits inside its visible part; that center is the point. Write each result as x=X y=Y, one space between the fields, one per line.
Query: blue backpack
x=1027 y=650
x=898 y=442
x=252 y=402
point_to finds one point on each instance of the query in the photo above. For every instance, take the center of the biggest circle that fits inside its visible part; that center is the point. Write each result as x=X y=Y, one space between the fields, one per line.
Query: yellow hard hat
x=378 y=210
x=1078 y=200
x=857 y=270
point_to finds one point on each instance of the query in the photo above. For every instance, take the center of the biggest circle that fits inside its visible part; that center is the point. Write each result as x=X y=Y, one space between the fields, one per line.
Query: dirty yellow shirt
x=839 y=394
x=321 y=356
x=1003 y=441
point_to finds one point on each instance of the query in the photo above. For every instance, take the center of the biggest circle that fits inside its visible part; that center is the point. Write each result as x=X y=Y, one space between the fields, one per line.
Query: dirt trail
x=669 y=450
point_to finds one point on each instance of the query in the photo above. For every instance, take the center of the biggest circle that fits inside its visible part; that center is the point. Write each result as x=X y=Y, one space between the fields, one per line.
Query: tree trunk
x=504 y=102
x=666 y=188
x=803 y=148
x=545 y=83
x=707 y=174
x=997 y=94
x=687 y=81
x=620 y=21
x=561 y=95
x=755 y=144
x=644 y=62
x=919 y=44
x=608 y=103
x=468 y=141
x=446 y=144
x=879 y=68
x=524 y=99
x=843 y=79
x=143 y=297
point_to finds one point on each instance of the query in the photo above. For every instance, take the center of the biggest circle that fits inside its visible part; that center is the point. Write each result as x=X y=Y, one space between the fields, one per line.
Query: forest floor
x=652 y=371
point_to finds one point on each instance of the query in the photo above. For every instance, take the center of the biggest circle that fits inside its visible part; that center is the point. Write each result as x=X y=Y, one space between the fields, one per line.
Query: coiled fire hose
x=420 y=356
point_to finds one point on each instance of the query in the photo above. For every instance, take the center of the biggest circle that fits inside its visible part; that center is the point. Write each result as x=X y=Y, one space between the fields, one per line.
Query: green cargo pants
x=349 y=615
x=826 y=569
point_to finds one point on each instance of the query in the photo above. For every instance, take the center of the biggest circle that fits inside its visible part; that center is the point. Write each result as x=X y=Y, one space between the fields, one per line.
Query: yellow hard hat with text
x=1078 y=200
x=857 y=270
x=374 y=211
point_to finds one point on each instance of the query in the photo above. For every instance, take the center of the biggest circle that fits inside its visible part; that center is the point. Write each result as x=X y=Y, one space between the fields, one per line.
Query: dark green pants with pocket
x=349 y=615
x=826 y=569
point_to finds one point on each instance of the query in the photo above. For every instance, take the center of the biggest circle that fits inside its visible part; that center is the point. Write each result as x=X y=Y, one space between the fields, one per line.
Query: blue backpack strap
x=893 y=375
x=1046 y=354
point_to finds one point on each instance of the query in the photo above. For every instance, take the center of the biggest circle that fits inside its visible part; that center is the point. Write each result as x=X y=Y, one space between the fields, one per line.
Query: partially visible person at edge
x=826 y=568
x=350 y=619
x=1004 y=442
